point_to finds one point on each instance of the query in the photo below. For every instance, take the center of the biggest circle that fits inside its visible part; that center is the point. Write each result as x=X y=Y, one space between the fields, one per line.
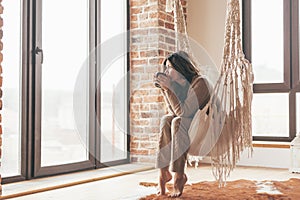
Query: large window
x=271 y=35
x=51 y=93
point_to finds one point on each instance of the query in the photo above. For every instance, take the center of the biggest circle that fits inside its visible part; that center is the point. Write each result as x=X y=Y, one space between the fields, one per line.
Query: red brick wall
x=1 y=58
x=152 y=38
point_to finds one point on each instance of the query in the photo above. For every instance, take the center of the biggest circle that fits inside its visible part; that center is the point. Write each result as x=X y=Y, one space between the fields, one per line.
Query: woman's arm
x=197 y=97
x=169 y=107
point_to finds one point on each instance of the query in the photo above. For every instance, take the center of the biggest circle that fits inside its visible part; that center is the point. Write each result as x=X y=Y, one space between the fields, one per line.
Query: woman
x=185 y=91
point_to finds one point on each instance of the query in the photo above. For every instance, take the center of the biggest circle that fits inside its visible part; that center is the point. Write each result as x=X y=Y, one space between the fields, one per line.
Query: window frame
x=291 y=82
x=295 y=44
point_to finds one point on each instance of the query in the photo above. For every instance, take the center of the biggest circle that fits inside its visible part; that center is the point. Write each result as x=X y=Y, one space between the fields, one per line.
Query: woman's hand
x=163 y=80
x=155 y=80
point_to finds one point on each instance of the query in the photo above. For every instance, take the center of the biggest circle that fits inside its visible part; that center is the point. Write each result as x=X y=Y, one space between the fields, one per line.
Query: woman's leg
x=164 y=152
x=164 y=177
x=180 y=179
x=180 y=147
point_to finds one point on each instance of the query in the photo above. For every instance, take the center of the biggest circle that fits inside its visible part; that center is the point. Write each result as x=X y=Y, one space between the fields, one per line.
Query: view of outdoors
x=267 y=41
x=113 y=83
x=65 y=40
x=11 y=112
x=269 y=119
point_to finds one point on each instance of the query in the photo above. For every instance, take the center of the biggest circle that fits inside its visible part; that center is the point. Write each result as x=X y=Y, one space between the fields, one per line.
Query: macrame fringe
x=236 y=79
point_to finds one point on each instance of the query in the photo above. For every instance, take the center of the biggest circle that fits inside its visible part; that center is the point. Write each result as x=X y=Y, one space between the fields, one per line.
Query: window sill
x=264 y=144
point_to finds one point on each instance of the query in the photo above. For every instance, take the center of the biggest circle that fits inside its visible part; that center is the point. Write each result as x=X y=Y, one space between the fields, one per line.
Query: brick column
x=152 y=38
x=1 y=58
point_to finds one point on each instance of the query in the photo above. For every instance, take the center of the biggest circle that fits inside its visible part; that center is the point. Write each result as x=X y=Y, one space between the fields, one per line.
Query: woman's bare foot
x=179 y=182
x=165 y=177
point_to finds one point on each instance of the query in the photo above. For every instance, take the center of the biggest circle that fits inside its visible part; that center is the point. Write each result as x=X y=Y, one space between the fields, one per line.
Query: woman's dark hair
x=182 y=63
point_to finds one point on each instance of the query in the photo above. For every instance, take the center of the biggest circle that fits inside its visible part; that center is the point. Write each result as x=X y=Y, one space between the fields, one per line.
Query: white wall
x=264 y=157
x=206 y=25
x=267 y=157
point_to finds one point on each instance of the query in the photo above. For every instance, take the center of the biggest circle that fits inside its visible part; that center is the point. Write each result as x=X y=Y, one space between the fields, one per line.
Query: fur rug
x=240 y=189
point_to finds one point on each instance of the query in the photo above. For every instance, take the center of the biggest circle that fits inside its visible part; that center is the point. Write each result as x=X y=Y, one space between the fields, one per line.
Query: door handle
x=37 y=51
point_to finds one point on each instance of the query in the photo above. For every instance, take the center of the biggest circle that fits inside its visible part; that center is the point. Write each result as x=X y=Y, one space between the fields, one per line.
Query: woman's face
x=172 y=73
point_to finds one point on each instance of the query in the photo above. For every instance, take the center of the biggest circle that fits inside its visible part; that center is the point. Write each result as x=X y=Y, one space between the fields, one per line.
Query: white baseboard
x=264 y=157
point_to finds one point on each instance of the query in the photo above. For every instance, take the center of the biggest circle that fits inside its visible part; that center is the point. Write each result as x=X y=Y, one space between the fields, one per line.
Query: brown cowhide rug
x=239 y=189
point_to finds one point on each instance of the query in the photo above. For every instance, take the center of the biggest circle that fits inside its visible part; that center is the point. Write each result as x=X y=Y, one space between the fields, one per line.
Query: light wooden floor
x=127 y=186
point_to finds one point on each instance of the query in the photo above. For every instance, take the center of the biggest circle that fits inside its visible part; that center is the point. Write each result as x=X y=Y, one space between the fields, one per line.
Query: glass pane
x=65 y=44
x=267 y=41
x=11 y=111
x=270 y=115
x=298 y=112
x=113 y=83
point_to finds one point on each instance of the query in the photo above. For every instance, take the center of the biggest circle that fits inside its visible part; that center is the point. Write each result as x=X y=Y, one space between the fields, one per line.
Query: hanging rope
x=230 y=130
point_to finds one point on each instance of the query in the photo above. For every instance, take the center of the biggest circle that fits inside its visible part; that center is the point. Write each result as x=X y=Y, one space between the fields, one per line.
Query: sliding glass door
x=62 y=47
x=61 y=113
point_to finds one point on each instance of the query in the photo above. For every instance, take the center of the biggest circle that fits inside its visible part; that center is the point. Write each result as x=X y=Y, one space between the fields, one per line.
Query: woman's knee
x=176 y=123
x=166 y=121
x=180 y=124
x=165 y=131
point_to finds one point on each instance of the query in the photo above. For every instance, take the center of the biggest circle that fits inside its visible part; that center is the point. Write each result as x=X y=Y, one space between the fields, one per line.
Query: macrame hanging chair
x=226 y=130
